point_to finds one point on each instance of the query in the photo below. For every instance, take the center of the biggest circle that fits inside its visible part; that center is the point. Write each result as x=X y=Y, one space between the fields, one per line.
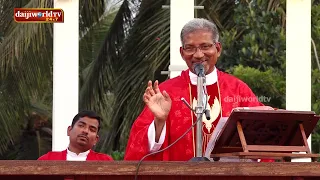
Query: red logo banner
x=38 y=15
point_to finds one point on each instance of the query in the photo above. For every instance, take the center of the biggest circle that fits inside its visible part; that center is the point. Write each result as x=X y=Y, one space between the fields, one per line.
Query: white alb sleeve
x=153 y=145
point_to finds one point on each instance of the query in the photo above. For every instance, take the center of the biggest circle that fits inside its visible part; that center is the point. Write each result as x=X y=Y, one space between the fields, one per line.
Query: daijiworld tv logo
x=38 y=15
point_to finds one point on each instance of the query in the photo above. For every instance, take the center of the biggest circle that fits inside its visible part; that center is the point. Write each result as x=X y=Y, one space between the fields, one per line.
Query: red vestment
x=62 y=155
x=229 y=93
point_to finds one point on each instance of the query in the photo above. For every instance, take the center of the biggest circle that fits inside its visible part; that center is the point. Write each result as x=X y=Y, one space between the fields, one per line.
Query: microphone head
x=199 y=69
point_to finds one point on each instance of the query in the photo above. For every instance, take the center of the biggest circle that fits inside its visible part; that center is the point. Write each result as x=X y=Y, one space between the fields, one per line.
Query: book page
x=214 y=136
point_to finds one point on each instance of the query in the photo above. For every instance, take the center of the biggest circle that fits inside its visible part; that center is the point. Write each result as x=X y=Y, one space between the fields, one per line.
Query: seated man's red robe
x=62 y=155
x=227 y=93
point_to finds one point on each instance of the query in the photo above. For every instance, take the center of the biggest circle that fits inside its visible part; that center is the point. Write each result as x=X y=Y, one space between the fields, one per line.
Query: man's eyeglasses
x=190 y=50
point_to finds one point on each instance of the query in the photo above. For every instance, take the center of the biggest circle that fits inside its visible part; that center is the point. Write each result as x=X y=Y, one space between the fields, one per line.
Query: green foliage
x=316 y=107
x=316 y=90
x=254 y=49
x=257 y=40
x=268 y=84
x=116 y=155
x=257 y=43
x=144 y=51
x=315 y=33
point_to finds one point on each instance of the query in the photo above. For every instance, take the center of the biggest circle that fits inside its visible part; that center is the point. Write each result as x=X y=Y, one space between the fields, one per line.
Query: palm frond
x=26 y=49
x=99 y=75
x=6 y=16
x=30 y=146
x=90 y=12
x=220 y=12
x=18 y=114
x=92 y=40
x=145 y=50
x=22 y=38
x=12 y=112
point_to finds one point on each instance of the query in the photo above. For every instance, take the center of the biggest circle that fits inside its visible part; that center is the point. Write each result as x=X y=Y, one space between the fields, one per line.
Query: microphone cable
x=139 y=164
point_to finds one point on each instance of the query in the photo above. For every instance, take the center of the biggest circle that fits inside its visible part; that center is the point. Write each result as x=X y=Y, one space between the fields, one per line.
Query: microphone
x=199 y=69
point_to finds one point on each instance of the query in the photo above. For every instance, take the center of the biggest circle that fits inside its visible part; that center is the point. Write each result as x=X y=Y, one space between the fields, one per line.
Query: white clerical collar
x=72 y=154
x=210 y=78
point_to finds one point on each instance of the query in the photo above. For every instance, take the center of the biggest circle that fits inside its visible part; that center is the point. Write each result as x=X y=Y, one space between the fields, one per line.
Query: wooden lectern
x=126 y=170
x=266 y=134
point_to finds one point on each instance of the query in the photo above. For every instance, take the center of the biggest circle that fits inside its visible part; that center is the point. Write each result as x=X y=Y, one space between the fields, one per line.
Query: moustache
x=199 y=61
x=84 y=136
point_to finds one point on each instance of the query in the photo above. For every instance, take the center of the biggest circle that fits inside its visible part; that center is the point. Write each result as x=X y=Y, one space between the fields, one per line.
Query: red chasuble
x=214 y=106
x=62 y=155
x=228 y=93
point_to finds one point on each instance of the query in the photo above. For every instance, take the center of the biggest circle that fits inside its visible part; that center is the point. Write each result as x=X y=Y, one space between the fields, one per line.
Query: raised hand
x=158 y=103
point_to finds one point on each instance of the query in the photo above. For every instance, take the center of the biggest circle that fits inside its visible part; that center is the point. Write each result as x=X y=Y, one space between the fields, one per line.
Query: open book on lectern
x=262 y=129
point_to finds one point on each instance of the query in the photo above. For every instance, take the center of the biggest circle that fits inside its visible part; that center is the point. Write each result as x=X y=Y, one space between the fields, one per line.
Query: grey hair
x=200 y=24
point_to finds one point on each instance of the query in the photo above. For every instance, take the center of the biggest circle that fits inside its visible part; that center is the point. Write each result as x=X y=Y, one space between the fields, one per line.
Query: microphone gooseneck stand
x=199 y=110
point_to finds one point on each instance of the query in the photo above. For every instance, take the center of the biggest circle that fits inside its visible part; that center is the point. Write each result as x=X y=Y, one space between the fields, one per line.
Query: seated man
x=83 y=135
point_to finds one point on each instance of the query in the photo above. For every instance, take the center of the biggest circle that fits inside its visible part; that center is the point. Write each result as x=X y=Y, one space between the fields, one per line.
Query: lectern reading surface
x=275 y=134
